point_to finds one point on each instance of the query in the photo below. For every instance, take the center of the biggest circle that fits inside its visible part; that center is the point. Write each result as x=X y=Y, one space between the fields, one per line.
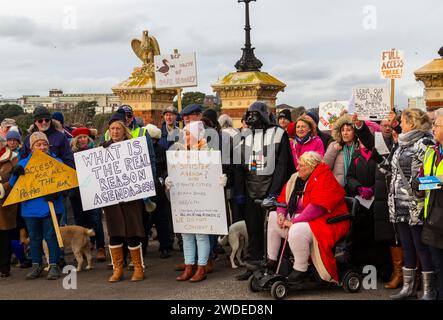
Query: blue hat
x=313 y=116
x=117 y=116
x=191 y=109
x=12 y=134
x=59 y=117
x=126 y=108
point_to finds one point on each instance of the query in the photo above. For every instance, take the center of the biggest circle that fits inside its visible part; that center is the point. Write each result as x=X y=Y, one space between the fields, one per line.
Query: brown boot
x=101 y=255
x=117 y=262
x=137 y=261
x=210 y=266
x=397 y=273
x=200 y=275
x=181 y=266
x=187 y=273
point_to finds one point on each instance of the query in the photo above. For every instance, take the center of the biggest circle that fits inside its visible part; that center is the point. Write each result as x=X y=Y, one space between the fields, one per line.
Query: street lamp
x=248 y=61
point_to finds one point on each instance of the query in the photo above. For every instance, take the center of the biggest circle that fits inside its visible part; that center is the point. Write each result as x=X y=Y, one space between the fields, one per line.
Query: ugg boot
x=187 y=273
x=200 y=275
x=397 y=273
x=117 y=262
x=409 y=288
x=429 y=287
x=137 y=261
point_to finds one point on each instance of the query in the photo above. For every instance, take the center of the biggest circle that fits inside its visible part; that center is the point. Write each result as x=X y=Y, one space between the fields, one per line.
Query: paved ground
x=160 y=283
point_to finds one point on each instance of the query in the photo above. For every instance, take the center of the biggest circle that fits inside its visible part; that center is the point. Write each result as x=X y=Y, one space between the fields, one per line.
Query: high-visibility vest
x=137 y=132
x=430 y=169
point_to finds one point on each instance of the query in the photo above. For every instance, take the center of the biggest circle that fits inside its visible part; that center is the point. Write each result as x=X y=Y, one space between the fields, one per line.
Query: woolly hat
x=313 y=116
x=285 y=113
x=8 y=123
x=41 y=112
x=59 y=117
x=81 y=131
x=117 y=116
x=36 y=136
x=153 y=131
x=12 y=134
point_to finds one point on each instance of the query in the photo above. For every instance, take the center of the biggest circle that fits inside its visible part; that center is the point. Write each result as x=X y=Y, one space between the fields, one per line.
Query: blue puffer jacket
x=58 y=145
x=38 y=207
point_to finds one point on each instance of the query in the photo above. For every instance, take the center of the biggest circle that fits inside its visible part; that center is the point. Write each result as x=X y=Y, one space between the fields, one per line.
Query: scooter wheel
x=253 y=284
x=279 y=290
x=352 y=282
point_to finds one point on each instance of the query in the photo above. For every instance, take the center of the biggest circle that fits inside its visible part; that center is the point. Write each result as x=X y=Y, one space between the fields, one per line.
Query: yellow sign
x=43 y=175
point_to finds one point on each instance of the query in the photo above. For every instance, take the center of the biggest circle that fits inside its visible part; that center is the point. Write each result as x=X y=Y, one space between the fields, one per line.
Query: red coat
x=322 y=189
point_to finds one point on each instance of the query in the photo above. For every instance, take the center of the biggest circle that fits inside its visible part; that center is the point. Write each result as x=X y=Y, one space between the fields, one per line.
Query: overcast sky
x=320 y=48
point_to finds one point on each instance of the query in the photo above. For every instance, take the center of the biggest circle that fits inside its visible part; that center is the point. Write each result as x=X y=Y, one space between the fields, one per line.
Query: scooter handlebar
x=269 y=203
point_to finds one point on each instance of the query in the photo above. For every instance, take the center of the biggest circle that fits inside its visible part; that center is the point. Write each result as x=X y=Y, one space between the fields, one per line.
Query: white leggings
x=299 y=239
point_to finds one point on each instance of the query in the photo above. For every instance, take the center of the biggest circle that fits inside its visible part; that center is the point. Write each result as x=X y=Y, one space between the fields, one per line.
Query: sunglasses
x=43 y=120
x=129 y=116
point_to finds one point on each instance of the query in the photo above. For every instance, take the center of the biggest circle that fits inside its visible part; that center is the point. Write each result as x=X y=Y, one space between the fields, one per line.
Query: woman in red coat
x=304 y=221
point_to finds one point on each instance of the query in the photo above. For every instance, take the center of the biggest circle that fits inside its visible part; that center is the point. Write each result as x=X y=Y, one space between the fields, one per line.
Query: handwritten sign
x=175 y=70
x=371 y=103
x=392 y=62
x=197 y=198
x=329 y=112
x=43 y=175
x=119 y=173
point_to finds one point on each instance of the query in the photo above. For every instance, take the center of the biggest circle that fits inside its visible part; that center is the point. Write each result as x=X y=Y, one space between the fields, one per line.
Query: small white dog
x=238 y=239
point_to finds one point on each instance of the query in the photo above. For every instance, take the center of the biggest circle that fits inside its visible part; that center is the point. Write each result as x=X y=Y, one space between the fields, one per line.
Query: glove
x=268 y=202
x=18 y=171
x=52 y=197
x=415 y=184
x=240 y=199
x=223 y=180
x=365 y=193
x=168 y=183
x=2 y=191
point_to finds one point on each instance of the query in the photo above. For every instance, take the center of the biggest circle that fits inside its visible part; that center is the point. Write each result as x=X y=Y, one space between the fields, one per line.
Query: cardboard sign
x=371 y=103
x=175 y=70
x=119 y=173
x=329 y=112
x=43 y=175
x=197 y=198
x=392 y=62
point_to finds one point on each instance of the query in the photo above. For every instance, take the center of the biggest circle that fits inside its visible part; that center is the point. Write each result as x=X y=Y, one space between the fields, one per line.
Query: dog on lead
x=76 y=238
x=238 y=240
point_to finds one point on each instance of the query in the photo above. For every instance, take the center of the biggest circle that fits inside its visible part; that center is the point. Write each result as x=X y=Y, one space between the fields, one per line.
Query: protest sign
x=175 y=70
x=197 y=198
x=329 y=112
x=392 y=62
x=43 y=175
x=371 y=103
x=119 y=173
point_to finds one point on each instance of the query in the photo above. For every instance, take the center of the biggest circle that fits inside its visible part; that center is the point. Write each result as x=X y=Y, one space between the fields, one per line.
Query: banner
x=392 y=63
x=371 y=103
x=175 y=70
x=43 y=175
x=197 y=198
x=119 y=173
x=329 y=112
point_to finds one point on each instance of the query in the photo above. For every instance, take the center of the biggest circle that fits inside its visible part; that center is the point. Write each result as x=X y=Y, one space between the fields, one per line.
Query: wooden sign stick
x=392 y=93
x=55 y=222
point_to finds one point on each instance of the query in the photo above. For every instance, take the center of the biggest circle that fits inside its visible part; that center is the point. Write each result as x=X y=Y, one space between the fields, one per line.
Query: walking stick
x=55 y=222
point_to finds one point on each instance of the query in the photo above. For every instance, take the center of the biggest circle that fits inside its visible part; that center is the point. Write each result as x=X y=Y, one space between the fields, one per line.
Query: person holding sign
x=37 y=216
x=124 y=220
x=432 y=234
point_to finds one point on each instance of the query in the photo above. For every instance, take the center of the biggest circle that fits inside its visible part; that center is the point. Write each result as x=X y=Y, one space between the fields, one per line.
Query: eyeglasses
x=129 y=116
x=43 y=120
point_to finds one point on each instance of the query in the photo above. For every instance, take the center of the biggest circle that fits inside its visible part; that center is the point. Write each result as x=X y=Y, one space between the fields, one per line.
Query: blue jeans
x=39 y=229
x=189 y=248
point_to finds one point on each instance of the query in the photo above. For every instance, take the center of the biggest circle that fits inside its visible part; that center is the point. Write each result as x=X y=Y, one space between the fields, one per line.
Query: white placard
x=119 y=173
x=371 y=103
x=197 y=198
x=329 y=112
x=392 y=63
x=175 y=70
x=380 y=144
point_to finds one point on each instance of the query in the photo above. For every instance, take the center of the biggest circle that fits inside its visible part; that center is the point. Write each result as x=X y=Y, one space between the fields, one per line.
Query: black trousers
x=255 y=223
x=5 y=250
x=437 y=261
x=162 y=219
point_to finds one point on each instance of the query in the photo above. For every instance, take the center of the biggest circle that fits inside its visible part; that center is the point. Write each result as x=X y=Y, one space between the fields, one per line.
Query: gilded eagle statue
x=146 y=49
